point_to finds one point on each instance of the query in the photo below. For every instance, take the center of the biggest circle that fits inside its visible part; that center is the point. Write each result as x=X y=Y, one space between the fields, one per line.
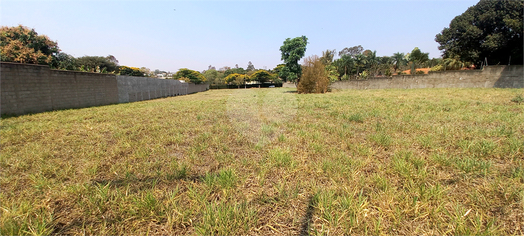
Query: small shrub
x=387 y=72
x=437 y=68
x=518 y=99
x=401 y=73
x=363 y=75
x=345 y=77
x=419 y=72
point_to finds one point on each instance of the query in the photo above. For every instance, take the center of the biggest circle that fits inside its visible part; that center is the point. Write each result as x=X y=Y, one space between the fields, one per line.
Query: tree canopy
x=327 y=56
x=23 y=45
x=261 y=76
x=193 y=76
x=97 y=63
x=131 y=71
x=250 y=67
x=491 y=29
x=236 y=79
x=292 y=51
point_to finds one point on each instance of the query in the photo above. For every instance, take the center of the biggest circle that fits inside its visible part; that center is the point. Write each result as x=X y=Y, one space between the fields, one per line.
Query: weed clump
x=518 y=99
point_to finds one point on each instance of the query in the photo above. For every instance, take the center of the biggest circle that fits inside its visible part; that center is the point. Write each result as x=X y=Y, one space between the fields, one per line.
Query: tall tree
x=344 y=65
x=491 y=29
x=360 y=62
x=23 y=45
x=417 y=57
x=292 y=51
x=64 y=61
x=214 y=77
x=250 y=67
x=327 y=57
x=352 y=51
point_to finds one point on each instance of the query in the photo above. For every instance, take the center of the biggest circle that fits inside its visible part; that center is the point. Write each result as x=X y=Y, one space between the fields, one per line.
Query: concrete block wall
x=35 y=88
x=195 y=88
x=132 y=89
x=489 y=77
x=28 y=88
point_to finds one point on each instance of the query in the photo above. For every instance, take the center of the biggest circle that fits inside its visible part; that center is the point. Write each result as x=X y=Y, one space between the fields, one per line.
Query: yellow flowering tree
x=193 y=76
x=131 y=71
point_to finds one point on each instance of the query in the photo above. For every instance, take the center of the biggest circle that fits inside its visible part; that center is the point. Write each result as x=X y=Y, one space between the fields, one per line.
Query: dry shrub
x=314 y=76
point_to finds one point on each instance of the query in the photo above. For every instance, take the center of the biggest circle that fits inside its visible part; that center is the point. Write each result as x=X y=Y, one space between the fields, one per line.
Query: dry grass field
x=270 y=161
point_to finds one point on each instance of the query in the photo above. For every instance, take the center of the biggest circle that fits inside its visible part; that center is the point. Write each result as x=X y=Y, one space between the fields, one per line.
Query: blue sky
x=169 y=35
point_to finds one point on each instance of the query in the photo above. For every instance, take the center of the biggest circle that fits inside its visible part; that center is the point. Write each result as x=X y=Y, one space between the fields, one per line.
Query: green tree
x=236 y=70
x=417 y=57
x=292 y=51
x=491 y=29
x=97 y=63
x=23 y=45
x=193 y=76
x=352 y=51
x=372 y=62
x=327 y=57
x=344 y=65
x=214 y=77
x=398 y=60
x=64 y=61
x=360 y=62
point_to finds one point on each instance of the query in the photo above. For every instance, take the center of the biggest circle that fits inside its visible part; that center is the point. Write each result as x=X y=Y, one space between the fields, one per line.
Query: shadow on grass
x=308 y=217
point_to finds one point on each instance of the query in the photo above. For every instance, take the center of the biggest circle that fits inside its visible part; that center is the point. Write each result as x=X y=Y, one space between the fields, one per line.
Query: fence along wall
x=489 y=77
x=27 y=88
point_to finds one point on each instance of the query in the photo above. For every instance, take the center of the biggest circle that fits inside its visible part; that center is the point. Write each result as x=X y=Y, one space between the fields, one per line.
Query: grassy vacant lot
x=269 y=161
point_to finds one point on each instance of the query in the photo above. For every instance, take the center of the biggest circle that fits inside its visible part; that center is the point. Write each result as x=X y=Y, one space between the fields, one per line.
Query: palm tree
x=398 y=60
x=360 y=61
x=372 y=61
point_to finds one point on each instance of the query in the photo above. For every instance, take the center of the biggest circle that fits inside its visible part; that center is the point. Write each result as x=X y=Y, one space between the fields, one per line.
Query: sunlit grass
x=428 y=161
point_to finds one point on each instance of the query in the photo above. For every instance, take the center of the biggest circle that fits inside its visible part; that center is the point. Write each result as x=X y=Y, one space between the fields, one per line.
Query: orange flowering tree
x=23 y=45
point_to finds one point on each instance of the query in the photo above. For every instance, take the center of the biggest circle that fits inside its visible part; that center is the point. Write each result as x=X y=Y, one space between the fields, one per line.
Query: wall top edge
x=22 y=64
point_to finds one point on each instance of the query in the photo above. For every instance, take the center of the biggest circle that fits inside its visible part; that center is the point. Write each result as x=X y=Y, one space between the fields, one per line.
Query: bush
x=387 y=72
x=314 y=76
x=419 y=72
x=437 y=68
x=363 y=75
